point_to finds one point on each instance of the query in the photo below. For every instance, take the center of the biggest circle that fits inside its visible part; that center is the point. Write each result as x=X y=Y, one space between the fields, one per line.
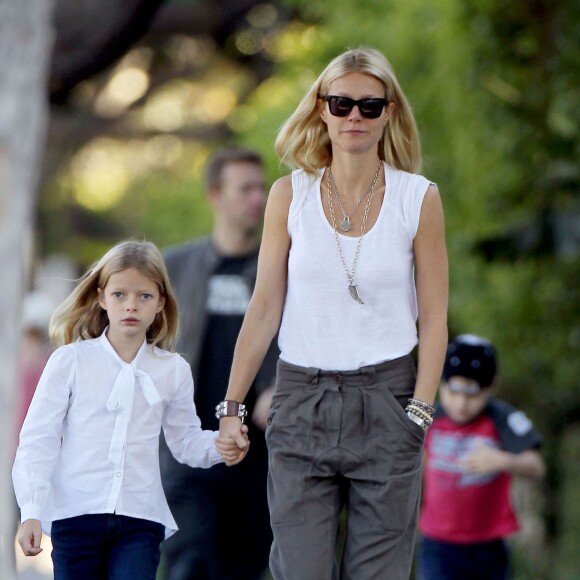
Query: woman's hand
x=233 y=443
x=29 y=537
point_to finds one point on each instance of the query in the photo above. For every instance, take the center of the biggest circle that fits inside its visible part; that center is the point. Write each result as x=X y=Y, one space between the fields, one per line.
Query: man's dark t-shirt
x=227 y=300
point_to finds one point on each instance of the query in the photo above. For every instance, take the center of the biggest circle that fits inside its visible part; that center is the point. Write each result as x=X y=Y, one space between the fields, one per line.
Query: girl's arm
x=40 y=441
x=264 y=312
x=432 y=295
x=187 y=441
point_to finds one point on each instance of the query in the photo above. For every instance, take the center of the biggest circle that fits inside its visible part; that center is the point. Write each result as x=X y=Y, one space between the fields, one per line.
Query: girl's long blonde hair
x=303 y=141
x=80 y=316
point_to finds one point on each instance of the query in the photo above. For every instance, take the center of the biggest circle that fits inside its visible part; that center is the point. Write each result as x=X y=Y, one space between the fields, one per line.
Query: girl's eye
x=117 y=294
x=146 y=296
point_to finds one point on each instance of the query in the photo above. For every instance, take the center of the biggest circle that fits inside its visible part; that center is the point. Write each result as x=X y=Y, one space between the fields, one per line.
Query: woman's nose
x=354 y=113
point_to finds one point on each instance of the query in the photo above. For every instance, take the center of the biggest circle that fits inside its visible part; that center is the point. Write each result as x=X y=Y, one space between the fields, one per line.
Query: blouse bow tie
x=121 y=401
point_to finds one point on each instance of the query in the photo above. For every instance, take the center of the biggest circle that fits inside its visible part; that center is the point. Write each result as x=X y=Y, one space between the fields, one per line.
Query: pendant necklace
x=352 y=288
x=345 y=224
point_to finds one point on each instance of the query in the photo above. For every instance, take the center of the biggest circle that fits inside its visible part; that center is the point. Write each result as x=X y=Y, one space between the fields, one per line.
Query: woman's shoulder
x=406 y=194
x=280 y=195
x=282 y=186
x=296 y=187
x=405 y=179
x=407 y=189
x=303 y=181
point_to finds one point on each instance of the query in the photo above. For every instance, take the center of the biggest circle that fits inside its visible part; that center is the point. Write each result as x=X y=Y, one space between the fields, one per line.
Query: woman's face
x=355 y=133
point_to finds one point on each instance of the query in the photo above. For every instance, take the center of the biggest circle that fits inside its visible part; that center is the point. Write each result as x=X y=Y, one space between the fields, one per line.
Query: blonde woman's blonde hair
x=303 y=141
x=80 y=316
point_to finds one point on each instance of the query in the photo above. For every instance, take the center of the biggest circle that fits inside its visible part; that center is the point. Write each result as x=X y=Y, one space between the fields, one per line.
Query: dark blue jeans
x=106 y=547
x=482 y=561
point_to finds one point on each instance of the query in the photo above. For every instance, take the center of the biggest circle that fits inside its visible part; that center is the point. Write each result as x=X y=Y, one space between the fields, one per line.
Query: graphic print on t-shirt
x=448 y=452
x=228 y=295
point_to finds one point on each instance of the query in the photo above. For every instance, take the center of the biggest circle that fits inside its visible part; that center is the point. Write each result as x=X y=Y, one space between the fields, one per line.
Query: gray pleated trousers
x=343 y=439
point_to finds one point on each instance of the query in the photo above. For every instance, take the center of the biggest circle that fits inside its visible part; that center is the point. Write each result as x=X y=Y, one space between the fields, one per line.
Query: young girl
x=87 y=466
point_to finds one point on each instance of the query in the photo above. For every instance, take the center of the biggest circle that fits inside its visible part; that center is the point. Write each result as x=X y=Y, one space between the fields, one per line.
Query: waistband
x=367 y=375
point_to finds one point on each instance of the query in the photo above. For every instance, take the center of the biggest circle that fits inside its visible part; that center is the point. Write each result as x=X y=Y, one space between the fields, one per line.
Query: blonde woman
x=353 y=254
x=87 y=467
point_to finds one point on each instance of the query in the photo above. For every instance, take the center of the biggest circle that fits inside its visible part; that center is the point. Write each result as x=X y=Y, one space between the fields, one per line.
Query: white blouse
x=90 y=440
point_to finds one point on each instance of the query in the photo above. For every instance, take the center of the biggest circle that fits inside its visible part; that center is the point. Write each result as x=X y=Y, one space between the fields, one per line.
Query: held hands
x=233 y=443
x=29 y=537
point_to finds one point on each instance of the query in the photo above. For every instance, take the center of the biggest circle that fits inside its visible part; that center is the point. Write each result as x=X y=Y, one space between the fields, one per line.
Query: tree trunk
x=25 y=47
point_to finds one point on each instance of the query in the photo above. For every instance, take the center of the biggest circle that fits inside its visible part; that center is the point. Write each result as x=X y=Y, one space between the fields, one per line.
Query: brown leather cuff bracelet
x=231 y=409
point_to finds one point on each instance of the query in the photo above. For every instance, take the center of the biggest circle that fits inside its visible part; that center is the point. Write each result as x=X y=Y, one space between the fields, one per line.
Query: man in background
x=222 y=513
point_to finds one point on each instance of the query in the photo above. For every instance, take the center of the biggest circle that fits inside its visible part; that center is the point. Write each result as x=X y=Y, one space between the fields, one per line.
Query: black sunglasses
x=342 y=106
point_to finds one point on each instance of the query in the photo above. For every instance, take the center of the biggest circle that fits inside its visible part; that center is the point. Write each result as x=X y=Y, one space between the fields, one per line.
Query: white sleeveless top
x=322 y=325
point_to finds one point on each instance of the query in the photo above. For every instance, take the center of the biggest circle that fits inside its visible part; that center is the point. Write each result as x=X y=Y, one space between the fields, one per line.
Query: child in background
x=87 y=465
x=474 y=446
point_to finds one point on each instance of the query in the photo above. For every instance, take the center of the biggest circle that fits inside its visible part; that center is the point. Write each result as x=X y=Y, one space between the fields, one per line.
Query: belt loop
x=312 y=374
x=369 y=373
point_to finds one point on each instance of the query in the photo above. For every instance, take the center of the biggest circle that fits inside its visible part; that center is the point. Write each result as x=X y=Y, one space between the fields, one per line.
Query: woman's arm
x=432 y=295
x=263 y=315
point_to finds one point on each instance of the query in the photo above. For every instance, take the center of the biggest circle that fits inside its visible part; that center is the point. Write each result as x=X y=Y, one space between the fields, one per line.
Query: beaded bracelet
x=425 y=406
x=422 y=421
x=419 y=413
x=418 y=409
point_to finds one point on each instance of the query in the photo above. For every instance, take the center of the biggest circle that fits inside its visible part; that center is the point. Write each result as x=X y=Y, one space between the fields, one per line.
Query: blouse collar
x=120 y=400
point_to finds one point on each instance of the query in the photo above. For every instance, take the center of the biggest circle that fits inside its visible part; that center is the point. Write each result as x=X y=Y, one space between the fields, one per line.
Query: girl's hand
x=233 y=443
x=29 y=537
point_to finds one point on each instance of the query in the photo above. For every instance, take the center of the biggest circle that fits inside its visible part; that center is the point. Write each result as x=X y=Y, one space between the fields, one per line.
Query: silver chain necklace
x=345 y=224
x=352 y=288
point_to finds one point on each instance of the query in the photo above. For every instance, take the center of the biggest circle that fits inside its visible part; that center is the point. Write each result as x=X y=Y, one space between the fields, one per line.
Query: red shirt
x=459 y=507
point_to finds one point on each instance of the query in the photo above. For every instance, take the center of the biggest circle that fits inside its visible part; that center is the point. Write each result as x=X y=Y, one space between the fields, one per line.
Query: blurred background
x=134 y=95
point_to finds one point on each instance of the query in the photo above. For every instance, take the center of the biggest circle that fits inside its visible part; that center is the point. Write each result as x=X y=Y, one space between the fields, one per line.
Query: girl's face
x=355 y=133
x=131 y=300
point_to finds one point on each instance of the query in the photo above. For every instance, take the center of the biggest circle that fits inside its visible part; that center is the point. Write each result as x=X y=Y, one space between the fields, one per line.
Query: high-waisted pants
x=343 y=439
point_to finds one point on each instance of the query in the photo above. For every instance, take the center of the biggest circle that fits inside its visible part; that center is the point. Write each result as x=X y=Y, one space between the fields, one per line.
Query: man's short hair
x=216 y=164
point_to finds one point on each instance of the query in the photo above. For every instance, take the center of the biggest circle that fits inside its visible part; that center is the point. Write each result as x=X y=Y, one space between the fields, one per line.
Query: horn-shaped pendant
x=354 y=293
